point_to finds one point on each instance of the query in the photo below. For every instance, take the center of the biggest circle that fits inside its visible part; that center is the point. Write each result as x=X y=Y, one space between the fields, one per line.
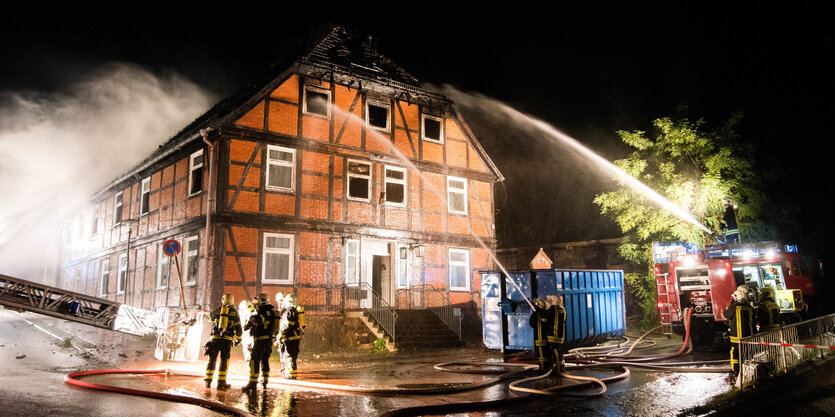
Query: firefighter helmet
x=228 y=299
x=554 y=300
x=263 y=298
x=290 y=300
x=741 y=294
x=539 y=304
x=279 y=298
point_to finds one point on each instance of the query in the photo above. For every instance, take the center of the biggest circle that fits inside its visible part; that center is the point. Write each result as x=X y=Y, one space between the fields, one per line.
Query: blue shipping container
x=593 y=301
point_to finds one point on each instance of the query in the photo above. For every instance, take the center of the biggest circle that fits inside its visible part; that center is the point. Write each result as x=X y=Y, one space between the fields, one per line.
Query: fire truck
x=704 y=279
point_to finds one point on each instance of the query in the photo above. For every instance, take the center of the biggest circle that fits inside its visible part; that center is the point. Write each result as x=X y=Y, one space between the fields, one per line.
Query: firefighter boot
x=208 y=383
x=222 y=385
x=252 y=386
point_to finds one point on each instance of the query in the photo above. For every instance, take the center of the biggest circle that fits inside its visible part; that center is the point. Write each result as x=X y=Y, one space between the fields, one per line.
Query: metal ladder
x=665 y=309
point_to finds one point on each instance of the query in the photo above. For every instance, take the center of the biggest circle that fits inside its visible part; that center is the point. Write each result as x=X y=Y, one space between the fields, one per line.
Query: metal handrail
x=381 y=311
x=443 y=309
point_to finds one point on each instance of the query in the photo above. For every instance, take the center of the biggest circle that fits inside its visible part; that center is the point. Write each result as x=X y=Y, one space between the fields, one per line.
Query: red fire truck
x=704 y=279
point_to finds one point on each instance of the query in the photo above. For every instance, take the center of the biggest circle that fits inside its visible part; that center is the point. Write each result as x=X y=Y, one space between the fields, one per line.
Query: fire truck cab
x=704 y=280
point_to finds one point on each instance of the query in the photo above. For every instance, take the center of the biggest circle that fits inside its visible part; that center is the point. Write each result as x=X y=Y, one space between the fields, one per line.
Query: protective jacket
x=768 y=315
x=263 y=325
x=557 y=315
x=740 y=320
x=292 y=323
x=226 y=323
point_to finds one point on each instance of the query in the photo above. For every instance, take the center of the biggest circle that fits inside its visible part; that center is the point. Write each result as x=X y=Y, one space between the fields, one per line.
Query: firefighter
x=556 y=312
x=290 y=335
x=729 y=225
x=740 y=318
x=543 y=330
x=768 y=313
x=226 y=331
x=262 y=327
x=246 y=309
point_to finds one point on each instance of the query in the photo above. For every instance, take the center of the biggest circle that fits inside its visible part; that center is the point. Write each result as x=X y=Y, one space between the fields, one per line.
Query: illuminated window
x=457 y=195
x=146 y=196
x=281 y=168
x=191 y=263
x=104 y=275
x=163 y=268
x=195 y=173
x=117 y=208
x=316 y=101
x=459 y=270
x=402 y=266
x=377 y=115
x=432 y=128
x=123 y=274
x=278 y=259
x=395 y=186
x=352 y=262
x=359 y=180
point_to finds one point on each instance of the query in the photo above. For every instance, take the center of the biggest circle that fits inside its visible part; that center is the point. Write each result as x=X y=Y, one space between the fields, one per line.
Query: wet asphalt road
x=33 y=385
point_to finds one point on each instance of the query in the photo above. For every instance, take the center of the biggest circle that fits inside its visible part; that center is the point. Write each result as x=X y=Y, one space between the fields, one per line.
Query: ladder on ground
x=22 y=295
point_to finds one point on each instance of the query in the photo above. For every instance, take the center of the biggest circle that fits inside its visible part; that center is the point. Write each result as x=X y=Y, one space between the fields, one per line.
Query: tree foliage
x=695 y=169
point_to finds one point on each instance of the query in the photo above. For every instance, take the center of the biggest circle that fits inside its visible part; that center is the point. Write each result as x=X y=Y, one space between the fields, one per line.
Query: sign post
x=172 y=248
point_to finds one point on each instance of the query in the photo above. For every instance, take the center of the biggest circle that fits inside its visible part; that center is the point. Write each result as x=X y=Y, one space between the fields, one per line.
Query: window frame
x=104 y=276
x=161 y=256
x=449 y=191
x=144 y=208
x=318 y=90
x=423 y=136
x=122 y=276
x=271 y=162
x=289 y=251
x=118 y=206
x=349 y=175
x=191 y=168
x=404 y=182
x=466 y=265
x=94 y=221
x=356 y=262
x=187 y=254
x=382 y=104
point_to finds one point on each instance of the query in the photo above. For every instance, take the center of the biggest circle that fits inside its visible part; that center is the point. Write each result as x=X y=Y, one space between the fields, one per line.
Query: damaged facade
x=301 y=197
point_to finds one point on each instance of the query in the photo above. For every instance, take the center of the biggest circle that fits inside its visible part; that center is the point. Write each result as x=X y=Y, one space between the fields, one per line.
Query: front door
x=381 y=275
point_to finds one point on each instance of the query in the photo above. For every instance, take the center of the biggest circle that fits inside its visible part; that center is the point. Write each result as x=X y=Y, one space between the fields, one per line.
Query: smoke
x=58 y=148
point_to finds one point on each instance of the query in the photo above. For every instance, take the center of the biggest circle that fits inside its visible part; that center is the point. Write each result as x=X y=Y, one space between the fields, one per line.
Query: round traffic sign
x=171 y=247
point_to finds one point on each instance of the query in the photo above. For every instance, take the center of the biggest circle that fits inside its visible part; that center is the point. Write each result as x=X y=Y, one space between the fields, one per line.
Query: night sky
x=587 y=72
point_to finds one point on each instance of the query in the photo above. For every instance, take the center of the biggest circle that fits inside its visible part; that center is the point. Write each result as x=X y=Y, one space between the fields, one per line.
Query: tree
x=695 y=170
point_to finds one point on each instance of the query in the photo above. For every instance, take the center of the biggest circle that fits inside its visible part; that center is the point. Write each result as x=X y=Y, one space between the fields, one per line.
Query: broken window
x=395 y=186
x=459 y=267
x=457 y=195
x=104 y=280
x=163 y=268
x=281 y=168
x=117 y=208
x=316 y=101
x=433 y=128
x=377 y=115
x=146 y=196
x=359 y=180
x=195 y=173
x=191 y=261
x=278 y=259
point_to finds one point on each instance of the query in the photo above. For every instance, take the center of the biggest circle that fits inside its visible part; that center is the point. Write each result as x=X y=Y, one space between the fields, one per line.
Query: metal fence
x=435 y=300
x=338 y=299
x=778 y=351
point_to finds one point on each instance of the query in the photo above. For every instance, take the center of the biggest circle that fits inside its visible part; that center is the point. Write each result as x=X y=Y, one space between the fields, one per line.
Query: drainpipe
x=208 y=259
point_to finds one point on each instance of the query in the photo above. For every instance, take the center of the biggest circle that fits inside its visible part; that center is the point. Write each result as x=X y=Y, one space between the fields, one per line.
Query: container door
x=491 y=312
x=517 y=322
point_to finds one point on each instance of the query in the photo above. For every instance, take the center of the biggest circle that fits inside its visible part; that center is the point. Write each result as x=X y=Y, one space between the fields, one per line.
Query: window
x=456 y=195
x=433 y=128
x=459 y=270
x=278 y=259
x=281 y=168
x=352 y=262
x=117 y=208
x=316 y=101
x=163 y=268
x=402 y=266
x=104 y=280
x=191 y=260
x=195 y=173
x=146 y=196
x=359 y=180
x=94 y=222
x=377 y=115
x=395 y=186
x=123 y=274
